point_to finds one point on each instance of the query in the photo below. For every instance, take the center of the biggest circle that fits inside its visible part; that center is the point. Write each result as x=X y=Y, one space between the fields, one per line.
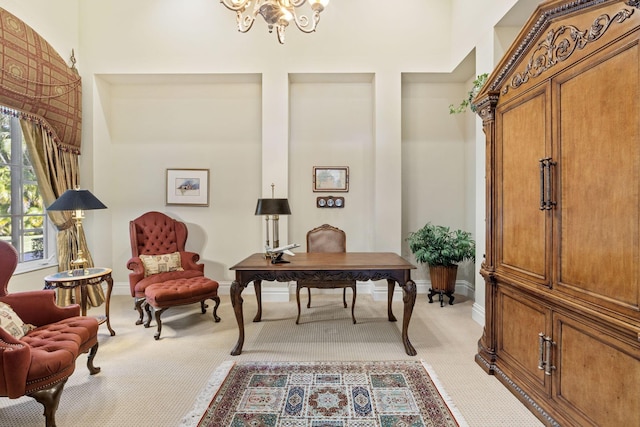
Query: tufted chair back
x=326 y=238
x=154 y=233
x=8 y=264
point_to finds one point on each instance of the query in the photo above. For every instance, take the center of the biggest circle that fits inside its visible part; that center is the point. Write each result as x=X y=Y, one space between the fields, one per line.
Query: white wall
x=173 y=85
x=147 y=124
x=309 y=99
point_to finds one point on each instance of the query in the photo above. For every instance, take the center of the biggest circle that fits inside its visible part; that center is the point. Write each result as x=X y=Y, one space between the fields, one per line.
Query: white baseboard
x=478 y=313
x=121 y=288
x=422 y=287
x=282 y=292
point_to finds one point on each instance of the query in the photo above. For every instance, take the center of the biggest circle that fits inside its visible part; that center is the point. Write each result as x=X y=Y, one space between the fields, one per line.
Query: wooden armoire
x=561 y=114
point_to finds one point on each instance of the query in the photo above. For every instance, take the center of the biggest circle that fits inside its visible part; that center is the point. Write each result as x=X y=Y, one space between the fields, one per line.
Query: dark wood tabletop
x=327 y=261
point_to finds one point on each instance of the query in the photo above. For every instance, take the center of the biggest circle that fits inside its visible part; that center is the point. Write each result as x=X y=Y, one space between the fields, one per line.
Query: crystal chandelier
x=277 y=13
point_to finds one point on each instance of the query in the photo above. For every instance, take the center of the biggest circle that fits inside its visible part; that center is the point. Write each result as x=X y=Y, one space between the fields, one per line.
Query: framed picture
x=188 y=187
x=330 y=178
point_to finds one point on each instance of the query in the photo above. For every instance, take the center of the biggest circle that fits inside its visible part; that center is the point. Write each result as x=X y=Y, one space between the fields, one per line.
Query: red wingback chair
x=155 y=233
x=39 y=363
x=179 y=281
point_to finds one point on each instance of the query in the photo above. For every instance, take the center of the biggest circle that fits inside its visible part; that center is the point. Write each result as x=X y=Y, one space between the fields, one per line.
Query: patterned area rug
x=323 y=394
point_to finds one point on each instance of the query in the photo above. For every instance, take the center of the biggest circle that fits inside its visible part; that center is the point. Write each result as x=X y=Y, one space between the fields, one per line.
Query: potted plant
x=467 y=102
x=442 y=249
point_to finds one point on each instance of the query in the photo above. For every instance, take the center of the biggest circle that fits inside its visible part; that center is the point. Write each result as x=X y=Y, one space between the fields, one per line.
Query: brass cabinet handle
x=550 y=203
x=542 y=192
x=541 y=351
x=548 y=366
x=545 y=345
x=545 y=184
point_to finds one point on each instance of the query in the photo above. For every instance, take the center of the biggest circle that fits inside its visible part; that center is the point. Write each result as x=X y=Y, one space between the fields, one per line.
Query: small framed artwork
x=330 y=178
x=188 y=187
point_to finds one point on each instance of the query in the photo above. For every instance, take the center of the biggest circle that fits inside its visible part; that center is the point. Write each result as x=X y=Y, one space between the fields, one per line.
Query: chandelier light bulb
x=318 y=5
x=285 y=16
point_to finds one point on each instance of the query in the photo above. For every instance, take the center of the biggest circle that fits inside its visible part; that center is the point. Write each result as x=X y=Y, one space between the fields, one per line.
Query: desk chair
x=326 y=238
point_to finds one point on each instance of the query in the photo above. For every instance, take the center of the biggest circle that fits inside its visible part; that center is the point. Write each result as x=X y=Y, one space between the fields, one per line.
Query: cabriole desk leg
x=257 y=285
x=391 y=284
x=409 y=298
x=236 y=301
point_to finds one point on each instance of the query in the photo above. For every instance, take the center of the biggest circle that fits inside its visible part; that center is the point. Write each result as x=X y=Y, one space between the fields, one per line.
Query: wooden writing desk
x=361 y=266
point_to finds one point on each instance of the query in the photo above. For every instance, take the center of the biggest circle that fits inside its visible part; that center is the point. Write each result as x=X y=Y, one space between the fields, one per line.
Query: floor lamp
x=77 y=201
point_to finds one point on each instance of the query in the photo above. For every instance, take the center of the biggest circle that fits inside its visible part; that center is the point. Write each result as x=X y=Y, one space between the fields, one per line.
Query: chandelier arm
x=244 y=19
x=305 y=24
x=245 y=22
x=235 y=6
x=280 y=32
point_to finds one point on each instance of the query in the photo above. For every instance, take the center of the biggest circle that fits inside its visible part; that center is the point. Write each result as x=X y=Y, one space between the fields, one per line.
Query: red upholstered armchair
x=38 y=363
x=155 y=233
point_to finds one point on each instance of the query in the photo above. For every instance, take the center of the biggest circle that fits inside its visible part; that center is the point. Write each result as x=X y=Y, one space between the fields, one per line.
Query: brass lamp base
x=79 y=266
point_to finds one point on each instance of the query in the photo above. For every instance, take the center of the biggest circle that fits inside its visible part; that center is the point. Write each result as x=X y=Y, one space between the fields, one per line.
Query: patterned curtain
x=36 y=81
x=38 y=86
x=57 y=171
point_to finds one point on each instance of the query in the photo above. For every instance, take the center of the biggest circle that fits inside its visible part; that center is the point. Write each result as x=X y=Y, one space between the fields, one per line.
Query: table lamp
x=273 y=207
x=77 y=201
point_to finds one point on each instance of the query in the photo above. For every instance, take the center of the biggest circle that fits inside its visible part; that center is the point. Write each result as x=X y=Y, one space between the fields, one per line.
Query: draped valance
x=37 y=83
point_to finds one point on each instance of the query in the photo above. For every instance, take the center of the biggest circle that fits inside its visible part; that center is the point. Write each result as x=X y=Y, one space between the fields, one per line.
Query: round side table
x=72 y=279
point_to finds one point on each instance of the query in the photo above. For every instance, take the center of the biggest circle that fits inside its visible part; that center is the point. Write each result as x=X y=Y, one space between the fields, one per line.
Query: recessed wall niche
x=144 y=124
x=437 y=151
x=169 y=108
x=331 y=123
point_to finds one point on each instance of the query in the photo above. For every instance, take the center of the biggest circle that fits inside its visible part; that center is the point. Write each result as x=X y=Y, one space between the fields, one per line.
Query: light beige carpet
x=151 y=383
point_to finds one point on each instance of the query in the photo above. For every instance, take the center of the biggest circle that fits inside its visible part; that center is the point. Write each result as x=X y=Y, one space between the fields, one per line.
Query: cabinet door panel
x=599 y=179
x=597 y=375
x=522 y=231
x=519 y=322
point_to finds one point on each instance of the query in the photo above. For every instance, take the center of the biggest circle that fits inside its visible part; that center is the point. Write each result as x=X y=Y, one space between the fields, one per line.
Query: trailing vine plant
x=466 y=103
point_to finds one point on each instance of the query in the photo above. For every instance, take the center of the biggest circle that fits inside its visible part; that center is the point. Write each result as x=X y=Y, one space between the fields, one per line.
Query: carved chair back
x=326 y=238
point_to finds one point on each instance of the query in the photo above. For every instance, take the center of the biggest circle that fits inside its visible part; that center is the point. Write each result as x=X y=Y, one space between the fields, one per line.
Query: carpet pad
x=323 y=394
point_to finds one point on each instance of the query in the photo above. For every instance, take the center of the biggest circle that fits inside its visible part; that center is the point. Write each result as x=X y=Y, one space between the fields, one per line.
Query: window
x=23 y=220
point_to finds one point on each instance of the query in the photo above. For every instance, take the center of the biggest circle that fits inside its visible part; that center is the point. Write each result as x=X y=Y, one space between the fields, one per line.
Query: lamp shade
x=73 y=200
x=273 y=207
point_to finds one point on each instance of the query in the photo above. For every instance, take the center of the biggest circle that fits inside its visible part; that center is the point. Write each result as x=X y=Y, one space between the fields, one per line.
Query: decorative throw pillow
x=12 y=323
x=154 y=264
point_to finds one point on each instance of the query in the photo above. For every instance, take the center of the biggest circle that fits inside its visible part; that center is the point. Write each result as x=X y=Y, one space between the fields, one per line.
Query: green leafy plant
x=439 y=245
x=466 y=103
